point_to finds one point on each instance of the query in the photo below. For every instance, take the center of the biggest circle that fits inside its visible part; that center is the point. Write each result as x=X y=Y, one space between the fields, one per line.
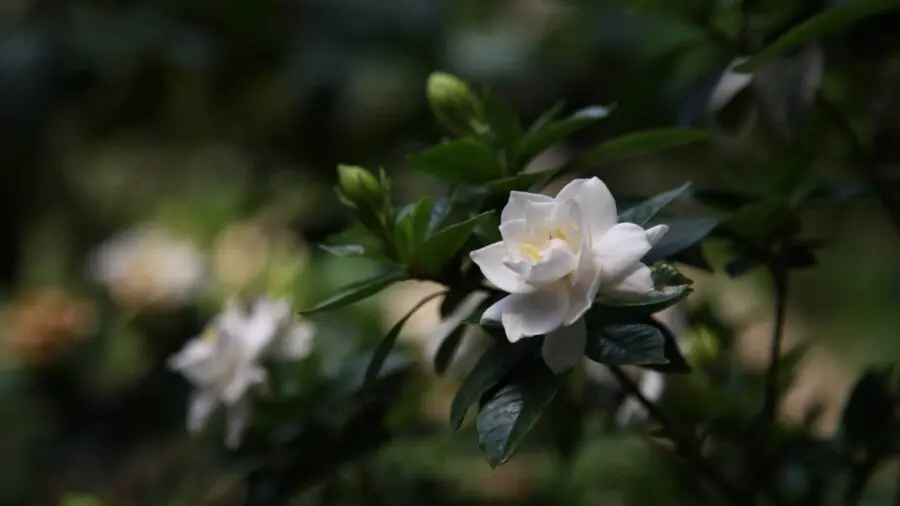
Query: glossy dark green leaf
x=358 y=291
x=447 y=350
x=491 y=368
x=446 y=242
x=676 y=363
x=682 y=234
x=519 y=182
x=458 y=161
x=537 y=141
x=637 y=144
x=646 y=210
x=827 y=22
x=626 y=344
x=646 y=305
x=390 y=339
x=508 y=413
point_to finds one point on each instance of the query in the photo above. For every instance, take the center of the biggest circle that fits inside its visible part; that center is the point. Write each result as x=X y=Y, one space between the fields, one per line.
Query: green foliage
x=465 y=160
x=824 y=23
x=358 y=291
x=626 y=344
x=492 y=368
x=645 y=211
x=390 y=339
x=507 y=414
x=550 y=132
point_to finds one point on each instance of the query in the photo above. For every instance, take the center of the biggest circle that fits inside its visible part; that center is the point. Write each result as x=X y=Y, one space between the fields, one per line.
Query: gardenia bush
x=553 y=279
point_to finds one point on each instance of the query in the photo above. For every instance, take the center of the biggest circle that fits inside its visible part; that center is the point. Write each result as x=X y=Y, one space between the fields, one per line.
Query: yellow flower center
x=533 y=252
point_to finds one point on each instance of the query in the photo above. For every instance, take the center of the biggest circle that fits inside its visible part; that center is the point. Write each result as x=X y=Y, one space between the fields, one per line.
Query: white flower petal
x=245 y=378
x=200 y=407
x=539 y=217
x=598 y=207
x=620 y=249
x=587 y=282
x=654 y=234
x=531 y=314
x=237 y=421
x=638 y=281
x=513 y=232
x=558 y=261
x=490 y=260
x=515 y=207
x=564 y=347
x=202 y=360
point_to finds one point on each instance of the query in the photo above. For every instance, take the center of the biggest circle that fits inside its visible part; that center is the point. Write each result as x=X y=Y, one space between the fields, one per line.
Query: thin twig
x=688 y=444
x=758 y=455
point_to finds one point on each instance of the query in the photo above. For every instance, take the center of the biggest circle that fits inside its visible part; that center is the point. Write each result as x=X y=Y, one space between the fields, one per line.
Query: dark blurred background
x=151 y=152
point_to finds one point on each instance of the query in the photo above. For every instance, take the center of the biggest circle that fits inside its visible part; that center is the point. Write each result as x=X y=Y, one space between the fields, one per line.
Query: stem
x=757 y=453
x=688 y=444
x=890 y=199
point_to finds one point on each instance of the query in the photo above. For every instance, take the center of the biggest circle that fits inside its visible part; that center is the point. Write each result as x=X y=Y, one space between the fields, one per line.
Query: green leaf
x=829 y=21
x=519 y=182
x=446 y=242
x=537 y=141
x=503 y=122
x=459 y=161
x=508 y=413
x=626 y=344
x=636 y=144
x=447 y=350
x=648 y=304
x=546 y=117
x=491 y=368
x=390 y=339
x=682 y=234
x=358 y=291
x=421 y=221
x=643 y=212
x=488 y=229
x=676 y=363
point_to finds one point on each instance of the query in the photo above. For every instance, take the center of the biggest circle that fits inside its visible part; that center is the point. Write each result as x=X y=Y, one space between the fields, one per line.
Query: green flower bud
x=454 y=104
x=358 y=187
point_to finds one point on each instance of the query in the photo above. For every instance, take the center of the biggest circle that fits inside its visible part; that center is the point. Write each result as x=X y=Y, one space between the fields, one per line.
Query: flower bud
x=453 y=103
x=358 y=187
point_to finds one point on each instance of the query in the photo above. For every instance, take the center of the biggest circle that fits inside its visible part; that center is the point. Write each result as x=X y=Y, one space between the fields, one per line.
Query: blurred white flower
x=148 y=266
x=555 y=256
x=224 y=364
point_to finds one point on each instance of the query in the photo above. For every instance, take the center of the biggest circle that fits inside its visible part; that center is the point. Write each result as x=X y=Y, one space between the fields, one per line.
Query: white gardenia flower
x=556 y=255
x=224 y=364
